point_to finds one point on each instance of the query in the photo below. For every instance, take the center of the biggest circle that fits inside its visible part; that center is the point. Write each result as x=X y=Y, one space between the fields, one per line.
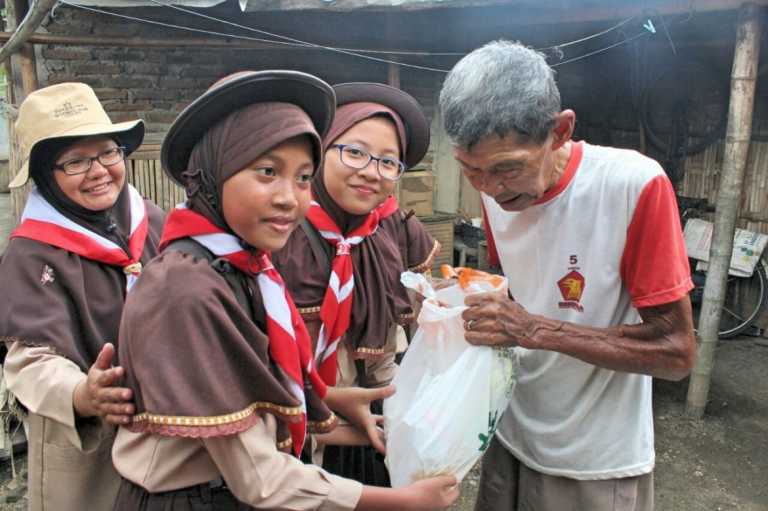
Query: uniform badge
x=572 y=287
x=48 y=275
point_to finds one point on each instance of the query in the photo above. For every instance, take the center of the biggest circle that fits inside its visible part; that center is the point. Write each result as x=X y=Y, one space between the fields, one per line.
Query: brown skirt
x=203 y=497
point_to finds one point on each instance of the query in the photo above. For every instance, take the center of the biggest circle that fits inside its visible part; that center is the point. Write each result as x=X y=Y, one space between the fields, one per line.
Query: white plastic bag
x=450 y=394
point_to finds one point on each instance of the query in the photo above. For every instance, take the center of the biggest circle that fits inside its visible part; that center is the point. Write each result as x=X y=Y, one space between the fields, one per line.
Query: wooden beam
x=137 y=42
x=210 y=43
x=740 y=113
x=206 y=43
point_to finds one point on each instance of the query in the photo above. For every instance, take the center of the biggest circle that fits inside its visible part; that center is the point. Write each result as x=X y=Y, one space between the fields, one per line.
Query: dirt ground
x=719 y=464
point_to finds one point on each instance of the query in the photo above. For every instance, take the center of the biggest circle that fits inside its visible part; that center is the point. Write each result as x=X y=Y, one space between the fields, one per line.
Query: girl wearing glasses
x=343 y=266
x=83 y=238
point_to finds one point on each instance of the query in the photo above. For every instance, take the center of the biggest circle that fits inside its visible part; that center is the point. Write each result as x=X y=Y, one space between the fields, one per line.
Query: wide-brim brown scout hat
x=65 y=111
x=409 y=110
x=237 y=91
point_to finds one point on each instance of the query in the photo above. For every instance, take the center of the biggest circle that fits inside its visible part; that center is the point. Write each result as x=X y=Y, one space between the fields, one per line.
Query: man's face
x=515 y=173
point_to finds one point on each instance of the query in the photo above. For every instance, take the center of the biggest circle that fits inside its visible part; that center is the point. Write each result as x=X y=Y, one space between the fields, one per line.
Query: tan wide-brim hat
x=66 y=111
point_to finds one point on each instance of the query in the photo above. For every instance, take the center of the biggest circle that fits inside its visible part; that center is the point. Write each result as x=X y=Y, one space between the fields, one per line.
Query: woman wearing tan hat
x=81 y=243
x=215 y=352
x=343 y=267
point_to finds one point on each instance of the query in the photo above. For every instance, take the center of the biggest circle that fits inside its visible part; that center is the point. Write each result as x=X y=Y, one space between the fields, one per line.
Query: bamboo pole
x=743 y=80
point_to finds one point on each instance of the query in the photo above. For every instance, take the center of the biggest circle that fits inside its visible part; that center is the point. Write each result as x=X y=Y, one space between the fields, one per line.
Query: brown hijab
x=57 y=298
x=379 y=298
x=235 y=142
x=196 y=357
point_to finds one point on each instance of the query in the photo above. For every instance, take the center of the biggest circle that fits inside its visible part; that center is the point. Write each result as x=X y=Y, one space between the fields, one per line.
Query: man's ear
x=565 y=123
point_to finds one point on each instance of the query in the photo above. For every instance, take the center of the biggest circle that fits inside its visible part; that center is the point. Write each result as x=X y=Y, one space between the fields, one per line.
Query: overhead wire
x=592 y=53
x=234 y=36
x=293 y=42
x=388 y=52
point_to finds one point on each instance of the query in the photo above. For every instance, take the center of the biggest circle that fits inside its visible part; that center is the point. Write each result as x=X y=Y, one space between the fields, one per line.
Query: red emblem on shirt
x=572 y=288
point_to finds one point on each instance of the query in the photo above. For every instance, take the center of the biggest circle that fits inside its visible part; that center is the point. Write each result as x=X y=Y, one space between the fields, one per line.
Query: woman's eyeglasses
x=358 y=158
x=75 y=166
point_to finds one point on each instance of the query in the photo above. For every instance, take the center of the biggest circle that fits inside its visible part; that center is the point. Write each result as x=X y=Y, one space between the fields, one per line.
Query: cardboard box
x=414 y=191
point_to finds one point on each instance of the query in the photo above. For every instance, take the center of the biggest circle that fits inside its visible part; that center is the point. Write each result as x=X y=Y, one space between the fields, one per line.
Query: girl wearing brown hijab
x=214 y=349
x=81 y=243
x=343 y=267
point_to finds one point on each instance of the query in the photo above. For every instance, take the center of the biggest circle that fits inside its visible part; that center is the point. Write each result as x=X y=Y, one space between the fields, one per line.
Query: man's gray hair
x=500 y=88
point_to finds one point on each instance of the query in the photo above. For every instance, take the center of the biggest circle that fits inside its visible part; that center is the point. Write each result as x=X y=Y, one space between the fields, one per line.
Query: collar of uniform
x=577 y=149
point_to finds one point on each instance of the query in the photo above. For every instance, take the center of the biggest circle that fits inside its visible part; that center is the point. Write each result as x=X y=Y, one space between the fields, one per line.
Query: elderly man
x=590 y=240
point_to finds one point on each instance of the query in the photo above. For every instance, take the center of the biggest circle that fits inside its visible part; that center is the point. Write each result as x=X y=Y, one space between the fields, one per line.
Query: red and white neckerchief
x=336 y=309
x=289 y=343
x=41 y=222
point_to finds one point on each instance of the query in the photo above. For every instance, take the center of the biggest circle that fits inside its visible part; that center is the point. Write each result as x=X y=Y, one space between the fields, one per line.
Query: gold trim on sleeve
x=322 y=425
x=215 y=420
x=370 y=351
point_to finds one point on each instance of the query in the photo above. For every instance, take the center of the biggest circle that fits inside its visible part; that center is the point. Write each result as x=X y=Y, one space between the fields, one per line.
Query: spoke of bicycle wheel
x=729 y=311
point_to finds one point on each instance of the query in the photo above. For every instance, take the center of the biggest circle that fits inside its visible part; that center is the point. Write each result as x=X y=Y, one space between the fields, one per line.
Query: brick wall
x=155 y=84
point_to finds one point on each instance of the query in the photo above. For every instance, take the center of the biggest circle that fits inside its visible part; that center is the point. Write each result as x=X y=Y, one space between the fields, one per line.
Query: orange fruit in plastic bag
x=466 y=276
x=448 y=272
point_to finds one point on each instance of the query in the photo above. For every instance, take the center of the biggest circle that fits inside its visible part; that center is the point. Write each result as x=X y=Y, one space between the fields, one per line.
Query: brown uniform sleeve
x=265 y=478
x=421 y=247
x=380 y=371
x=44 y=383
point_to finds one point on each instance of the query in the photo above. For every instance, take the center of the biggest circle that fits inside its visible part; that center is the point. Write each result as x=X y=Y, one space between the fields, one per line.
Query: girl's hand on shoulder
x=99 y=396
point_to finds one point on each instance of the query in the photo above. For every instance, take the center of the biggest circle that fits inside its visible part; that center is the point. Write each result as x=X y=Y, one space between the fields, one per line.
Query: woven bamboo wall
x=145 y=173
x=147 y=176
x=702 y=177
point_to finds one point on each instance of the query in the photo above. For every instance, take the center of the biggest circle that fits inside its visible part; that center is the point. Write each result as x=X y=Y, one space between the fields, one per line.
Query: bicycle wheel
x=745 y=299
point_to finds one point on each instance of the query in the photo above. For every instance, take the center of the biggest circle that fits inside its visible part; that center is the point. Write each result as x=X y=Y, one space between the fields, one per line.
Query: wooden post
x=393 y=75
x=22 y=81
x=393 y=70
x=25 y=71
x=743 y=80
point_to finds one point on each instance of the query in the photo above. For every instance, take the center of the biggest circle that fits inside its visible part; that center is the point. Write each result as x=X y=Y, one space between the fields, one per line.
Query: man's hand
x=99 y=396
x=494 y=319
x=354 y=404
x=662 y=346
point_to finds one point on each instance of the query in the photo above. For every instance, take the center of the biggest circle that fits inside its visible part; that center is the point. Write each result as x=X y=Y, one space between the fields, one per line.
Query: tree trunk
x=743 y=80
